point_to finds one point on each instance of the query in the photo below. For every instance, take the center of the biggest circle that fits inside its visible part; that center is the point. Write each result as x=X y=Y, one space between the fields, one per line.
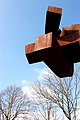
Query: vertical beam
x=53 y=17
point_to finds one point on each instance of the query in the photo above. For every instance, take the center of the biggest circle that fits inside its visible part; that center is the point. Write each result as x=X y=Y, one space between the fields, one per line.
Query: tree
x=45 y=109
x=13 y=103
x=65 y=93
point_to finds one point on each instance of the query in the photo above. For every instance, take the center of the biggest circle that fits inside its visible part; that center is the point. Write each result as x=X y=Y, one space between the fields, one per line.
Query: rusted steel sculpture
x=58 y=49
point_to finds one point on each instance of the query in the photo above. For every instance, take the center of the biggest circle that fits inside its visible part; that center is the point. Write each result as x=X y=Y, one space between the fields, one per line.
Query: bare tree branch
x=13 y=103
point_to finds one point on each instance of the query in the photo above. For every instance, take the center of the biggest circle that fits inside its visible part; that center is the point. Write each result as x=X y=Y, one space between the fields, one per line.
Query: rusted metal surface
x=54 y=9
x=47 y=49
x=43 y=42
x=58 y=49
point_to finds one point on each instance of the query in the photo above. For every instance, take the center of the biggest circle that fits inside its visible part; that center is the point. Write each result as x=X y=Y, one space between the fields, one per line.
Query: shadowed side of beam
x=72 y=52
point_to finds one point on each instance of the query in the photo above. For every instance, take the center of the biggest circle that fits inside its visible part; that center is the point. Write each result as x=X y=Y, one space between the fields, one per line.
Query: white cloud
x=41 y=72
x=26 y=87
x=27 y=90
x=24 y=82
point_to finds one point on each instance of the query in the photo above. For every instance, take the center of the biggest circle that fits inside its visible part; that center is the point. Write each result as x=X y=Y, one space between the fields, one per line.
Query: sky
x=21 y=21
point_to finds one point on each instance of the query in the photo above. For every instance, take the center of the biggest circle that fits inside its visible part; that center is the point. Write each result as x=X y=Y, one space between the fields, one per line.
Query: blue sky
x=21 y=21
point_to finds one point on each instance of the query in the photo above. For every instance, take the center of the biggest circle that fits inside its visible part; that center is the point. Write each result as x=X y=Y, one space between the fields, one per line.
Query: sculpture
x=58 y=49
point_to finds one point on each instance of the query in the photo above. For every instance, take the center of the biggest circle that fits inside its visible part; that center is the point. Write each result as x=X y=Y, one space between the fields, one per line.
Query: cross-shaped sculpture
x=58 y=49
